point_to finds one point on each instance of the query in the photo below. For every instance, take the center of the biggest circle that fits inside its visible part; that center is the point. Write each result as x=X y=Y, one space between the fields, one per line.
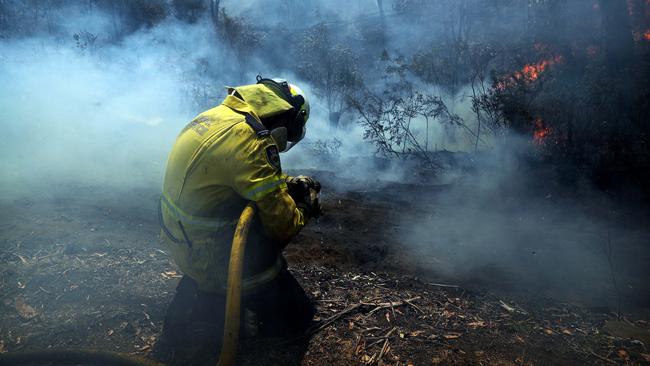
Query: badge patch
x=273 y=156
x=199 y=125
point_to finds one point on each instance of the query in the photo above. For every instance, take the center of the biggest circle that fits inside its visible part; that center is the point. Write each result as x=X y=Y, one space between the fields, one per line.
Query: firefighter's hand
x=305 y=192
x=315 y=208
x=300 y=185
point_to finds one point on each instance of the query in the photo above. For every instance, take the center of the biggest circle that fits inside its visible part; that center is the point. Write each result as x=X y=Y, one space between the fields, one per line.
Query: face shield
x=291 y=144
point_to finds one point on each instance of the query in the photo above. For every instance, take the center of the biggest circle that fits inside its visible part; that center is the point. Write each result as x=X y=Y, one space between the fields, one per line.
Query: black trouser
x=193 y=325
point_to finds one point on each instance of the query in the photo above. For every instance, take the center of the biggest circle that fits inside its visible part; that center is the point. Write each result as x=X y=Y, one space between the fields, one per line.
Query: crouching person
x=225 y=158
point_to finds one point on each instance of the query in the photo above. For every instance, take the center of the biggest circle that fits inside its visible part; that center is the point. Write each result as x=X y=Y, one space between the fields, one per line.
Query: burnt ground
x=81 y=267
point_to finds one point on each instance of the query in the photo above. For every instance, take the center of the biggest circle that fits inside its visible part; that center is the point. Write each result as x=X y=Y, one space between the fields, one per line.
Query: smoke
x=79 y=108
x=509 y=226
x=81 y=111
x=104 y=112
x=98 y=112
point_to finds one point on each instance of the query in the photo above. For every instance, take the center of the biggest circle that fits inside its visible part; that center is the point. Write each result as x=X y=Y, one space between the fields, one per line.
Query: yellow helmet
x=304 y=107
x=294 y=96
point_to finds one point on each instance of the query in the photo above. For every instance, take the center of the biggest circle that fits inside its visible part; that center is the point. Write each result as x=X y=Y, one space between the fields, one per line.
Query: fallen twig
x=443 y=285
x=331 y=319
x=384 y=348
x=506 y=307
x=603 y=358
x=378 y=306
x=382 y=338
x=414 y=306
x=384 y=305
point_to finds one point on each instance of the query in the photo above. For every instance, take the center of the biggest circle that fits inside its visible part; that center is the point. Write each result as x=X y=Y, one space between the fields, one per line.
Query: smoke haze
x=507 y=226
x=104 y=112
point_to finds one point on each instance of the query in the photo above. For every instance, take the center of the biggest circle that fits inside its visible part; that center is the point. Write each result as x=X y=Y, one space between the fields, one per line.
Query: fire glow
x=540 y=132
x=641 y=35
x=531 y=72
x=528 y=74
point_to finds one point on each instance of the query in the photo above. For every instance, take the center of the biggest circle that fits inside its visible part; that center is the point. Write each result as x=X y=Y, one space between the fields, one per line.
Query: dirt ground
x=85 y=270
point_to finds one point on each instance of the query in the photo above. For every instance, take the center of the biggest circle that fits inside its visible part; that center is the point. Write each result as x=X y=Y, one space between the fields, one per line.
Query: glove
x=300 y=185
x=305 y=192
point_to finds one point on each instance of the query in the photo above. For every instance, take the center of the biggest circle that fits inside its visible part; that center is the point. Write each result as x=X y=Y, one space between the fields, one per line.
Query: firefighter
x=224 y=158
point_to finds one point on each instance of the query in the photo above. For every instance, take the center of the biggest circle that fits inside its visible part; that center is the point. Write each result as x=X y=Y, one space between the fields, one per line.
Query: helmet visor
x=291 y=144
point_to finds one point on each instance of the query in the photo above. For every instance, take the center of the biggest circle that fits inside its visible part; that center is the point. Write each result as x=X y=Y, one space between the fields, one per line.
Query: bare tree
x=382 y=15
x=487 y=111
x=398 y=123
x=618 y=41
x=241 y=38
x=332 y=69
x=214 y=11
x=612 y=273
x=85 y=40
x=189 y=10
x=324 y=150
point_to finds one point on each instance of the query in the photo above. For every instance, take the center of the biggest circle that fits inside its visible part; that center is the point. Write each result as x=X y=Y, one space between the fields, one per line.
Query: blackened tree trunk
x=214 y=11
x=640 y=22
x=380 y=6
x=382 y=19
x=617 y=34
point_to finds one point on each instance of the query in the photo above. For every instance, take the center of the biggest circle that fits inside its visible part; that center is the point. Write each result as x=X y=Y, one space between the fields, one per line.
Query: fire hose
x=233 y=292
x=230 y=330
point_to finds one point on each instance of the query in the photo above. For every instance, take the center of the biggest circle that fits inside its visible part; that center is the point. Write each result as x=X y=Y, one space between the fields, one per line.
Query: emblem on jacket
x=273 y=156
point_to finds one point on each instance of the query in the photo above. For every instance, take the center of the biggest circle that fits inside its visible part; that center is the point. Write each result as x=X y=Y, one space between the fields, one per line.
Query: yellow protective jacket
x=221 y=160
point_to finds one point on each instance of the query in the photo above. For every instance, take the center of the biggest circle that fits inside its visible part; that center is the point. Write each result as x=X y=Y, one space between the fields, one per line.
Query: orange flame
x=641 y=35
x=531 y=72
x=528 y=74
x=540 y=132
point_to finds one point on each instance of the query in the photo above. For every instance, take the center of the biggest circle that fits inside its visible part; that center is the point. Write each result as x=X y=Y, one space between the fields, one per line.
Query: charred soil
x=85 y=270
